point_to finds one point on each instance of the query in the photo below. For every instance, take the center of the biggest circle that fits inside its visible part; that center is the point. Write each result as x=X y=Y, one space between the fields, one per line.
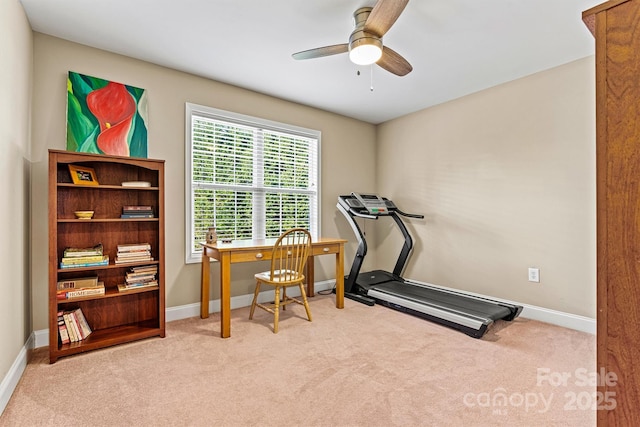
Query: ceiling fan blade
x=322 y=51
x=394 y=63
x=383 y=16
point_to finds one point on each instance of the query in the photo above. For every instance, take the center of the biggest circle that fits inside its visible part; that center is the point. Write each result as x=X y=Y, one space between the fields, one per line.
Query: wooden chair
x=288 y=261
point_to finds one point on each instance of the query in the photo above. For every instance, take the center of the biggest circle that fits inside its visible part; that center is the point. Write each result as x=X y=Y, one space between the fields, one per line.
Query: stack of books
x=133 y=252
x=143 y=276
x=84 y=257
x=80 y=287
x=72 y=326
x=137 y=211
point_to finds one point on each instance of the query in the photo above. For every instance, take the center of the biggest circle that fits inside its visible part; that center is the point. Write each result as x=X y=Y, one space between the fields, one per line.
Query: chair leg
x=284 y=297
x=304 y=301
x=255 y=299
x=276 y=310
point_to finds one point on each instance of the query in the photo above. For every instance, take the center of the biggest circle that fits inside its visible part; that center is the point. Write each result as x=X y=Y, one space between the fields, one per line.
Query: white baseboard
x=10 y=381
x=559 y=318
x=567 y=320
x=193 y=310
x=41 y=338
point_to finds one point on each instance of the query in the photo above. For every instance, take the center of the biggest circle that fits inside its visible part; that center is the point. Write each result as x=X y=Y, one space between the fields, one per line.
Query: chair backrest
x=290 y=254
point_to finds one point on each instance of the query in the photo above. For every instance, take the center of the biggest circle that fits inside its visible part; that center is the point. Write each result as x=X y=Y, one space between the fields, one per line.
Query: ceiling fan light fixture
x=365 y=50
x=365 y=42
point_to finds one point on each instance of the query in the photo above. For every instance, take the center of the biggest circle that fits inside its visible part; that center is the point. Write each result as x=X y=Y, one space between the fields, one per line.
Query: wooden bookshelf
x=116 y=317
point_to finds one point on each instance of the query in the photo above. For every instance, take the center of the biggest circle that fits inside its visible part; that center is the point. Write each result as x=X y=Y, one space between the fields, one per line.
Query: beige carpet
x=361 y=366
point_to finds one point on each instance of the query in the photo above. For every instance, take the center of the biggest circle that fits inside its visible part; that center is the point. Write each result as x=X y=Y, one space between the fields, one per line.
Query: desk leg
x=340 y=278
x=310 y=277
x=225 y=295
x=204 y=285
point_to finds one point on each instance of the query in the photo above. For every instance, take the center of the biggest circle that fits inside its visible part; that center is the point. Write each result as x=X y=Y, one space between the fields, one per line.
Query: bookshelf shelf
x=109 y=293
x=111 y=336
x=108 y=187
x=109 y=266
x=106 y=220
x=115 y=317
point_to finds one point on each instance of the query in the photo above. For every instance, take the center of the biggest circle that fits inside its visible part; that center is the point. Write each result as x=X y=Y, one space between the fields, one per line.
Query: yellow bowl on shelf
x=84 y=214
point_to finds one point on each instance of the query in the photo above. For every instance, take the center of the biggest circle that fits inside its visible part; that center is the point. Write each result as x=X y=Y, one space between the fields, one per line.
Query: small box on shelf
x=136 y=184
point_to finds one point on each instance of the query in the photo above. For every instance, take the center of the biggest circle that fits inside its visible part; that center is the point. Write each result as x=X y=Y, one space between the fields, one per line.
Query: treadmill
x=467 y=313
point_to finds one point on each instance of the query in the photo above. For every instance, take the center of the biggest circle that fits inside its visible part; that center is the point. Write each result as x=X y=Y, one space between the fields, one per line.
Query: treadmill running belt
x=460 y=304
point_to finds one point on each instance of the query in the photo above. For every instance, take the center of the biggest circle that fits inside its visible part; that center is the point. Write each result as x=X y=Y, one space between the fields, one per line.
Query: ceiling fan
x=365 y=42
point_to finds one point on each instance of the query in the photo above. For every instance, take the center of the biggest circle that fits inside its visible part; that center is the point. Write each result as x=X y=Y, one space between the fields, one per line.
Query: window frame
x=191 y=109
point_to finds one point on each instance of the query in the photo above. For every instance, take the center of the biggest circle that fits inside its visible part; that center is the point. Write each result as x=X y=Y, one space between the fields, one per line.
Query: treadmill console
x=368 y=204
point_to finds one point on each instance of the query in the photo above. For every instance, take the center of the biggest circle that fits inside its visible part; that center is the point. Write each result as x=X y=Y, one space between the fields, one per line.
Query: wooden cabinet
x=115 y=317
x=616 y=27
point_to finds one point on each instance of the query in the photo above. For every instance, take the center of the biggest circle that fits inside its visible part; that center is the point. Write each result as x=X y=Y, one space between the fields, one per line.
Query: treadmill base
x=474 y=333
x=360 y=298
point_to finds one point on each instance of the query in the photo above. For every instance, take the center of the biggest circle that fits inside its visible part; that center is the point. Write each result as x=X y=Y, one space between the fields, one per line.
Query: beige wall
x=168 y=90
x=505 y=177
x=506 y=180
x=15 y=102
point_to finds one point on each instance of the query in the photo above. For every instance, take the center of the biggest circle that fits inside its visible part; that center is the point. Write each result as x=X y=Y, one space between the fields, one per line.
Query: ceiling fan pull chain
x=371 y=68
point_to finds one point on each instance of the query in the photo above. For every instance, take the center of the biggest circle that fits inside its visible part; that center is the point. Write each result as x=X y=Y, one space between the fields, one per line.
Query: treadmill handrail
x=408 y=215
x=361 y=215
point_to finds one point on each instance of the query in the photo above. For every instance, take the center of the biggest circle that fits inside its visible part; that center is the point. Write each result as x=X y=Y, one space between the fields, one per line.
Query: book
x=69 y=324
x=82 y=259
x=80 y=282
x=136 y=215
x=105 y=261
x=137 y=285
x=144 y=273
x=62 y=329
x=137 y=211
x=133 y=260
x=80 y=252
x=84 y=327
x=124 y=287
x=128 y=247
x=143 y=268
x=74 y=325
x=81 y=292
x=140 y=274
x=136 y=184
x=140 y=278
x=134 y=254
x=136 y=208
x=76 y=321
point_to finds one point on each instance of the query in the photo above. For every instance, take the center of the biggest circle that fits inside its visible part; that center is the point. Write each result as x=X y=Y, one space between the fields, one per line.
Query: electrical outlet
x=534 y=274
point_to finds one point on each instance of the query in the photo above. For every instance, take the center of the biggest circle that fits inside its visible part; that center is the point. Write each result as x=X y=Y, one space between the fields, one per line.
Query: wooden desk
x=259 y=250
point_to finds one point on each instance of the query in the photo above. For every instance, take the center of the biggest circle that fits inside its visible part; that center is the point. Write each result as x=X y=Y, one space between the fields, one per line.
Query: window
x=250 y=178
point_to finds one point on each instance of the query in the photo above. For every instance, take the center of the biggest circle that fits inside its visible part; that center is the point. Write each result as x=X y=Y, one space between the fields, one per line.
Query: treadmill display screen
x=375 y=205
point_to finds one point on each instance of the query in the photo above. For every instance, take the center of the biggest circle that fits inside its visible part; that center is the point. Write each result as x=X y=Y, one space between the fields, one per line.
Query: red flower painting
x=114 y=107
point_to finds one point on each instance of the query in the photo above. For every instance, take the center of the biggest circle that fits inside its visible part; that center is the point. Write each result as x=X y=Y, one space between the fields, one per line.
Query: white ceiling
x=456 y=47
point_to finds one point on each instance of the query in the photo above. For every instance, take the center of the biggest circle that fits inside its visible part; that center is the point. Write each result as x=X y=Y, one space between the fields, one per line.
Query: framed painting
x=81 y=175
x=105 y=117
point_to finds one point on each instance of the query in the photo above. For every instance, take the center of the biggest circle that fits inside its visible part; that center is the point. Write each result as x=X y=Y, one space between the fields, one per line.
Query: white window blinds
x=250 y=178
